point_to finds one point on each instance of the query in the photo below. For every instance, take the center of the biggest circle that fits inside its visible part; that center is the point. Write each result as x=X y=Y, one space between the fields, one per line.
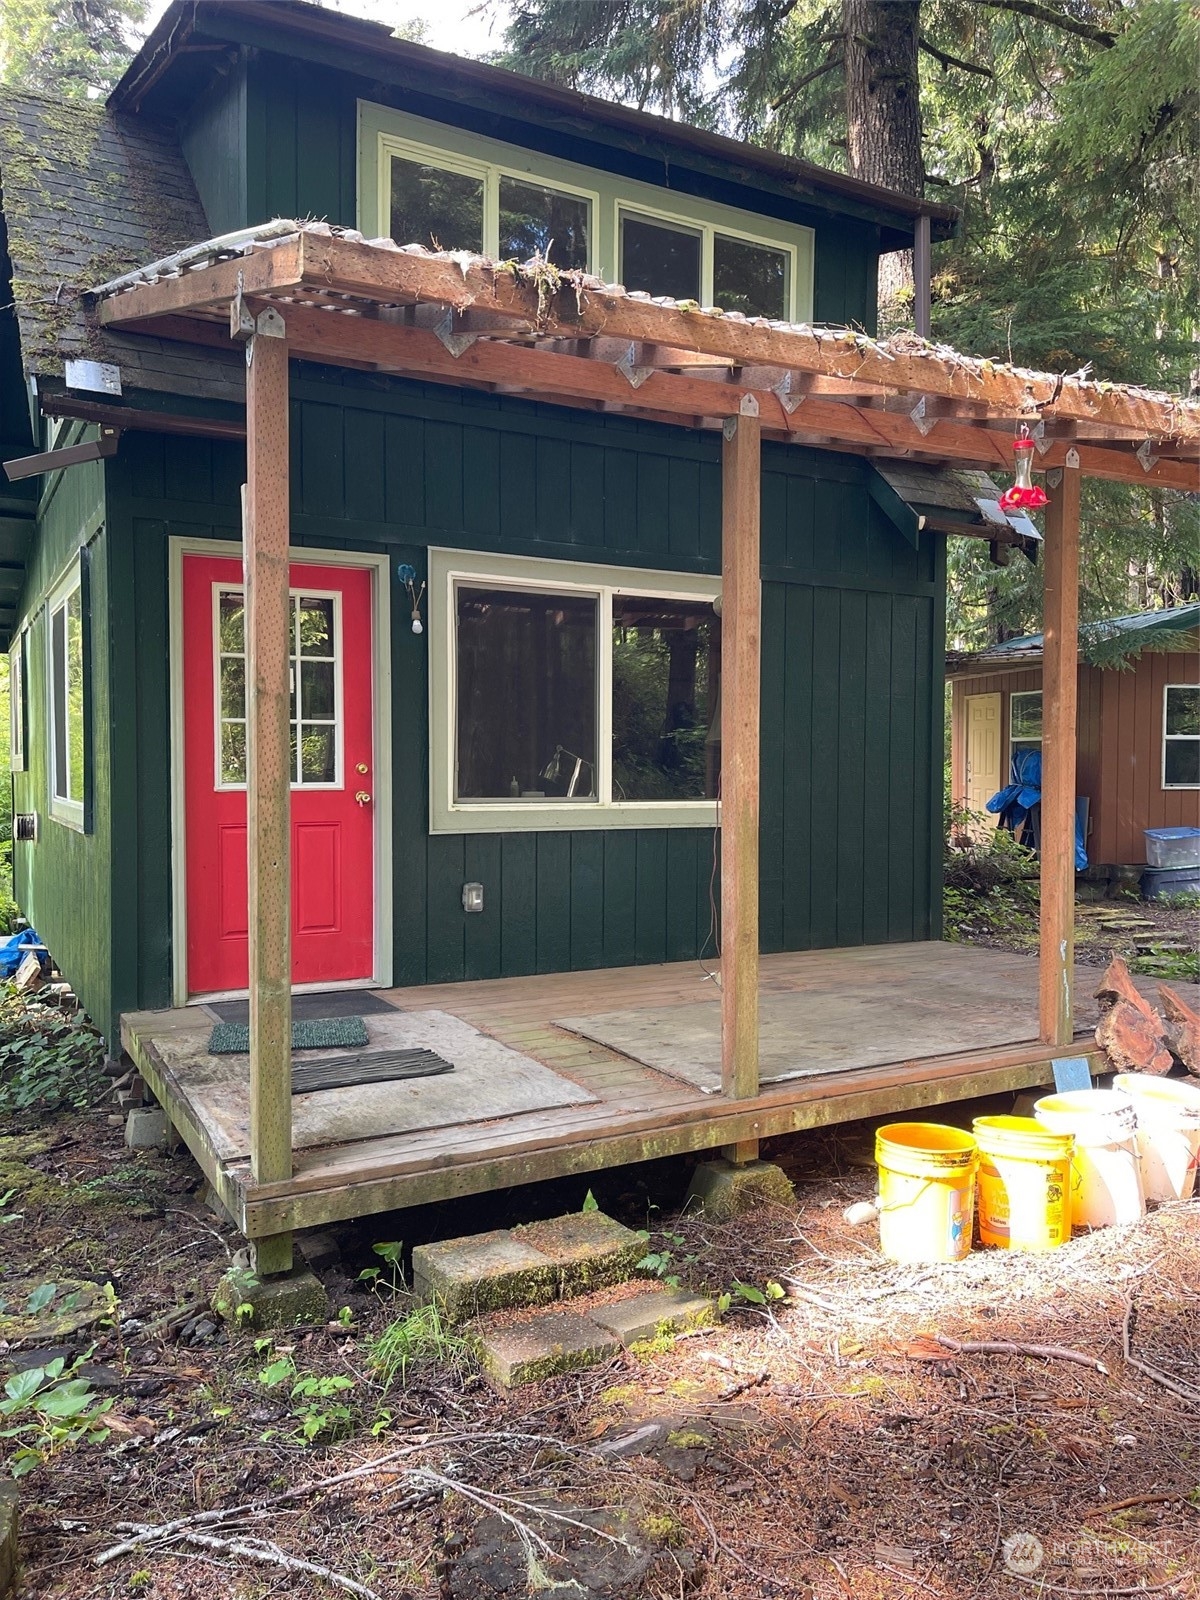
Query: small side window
x=65 y=680
x=1181 y=736
x=16 y=704
x=1025 y=720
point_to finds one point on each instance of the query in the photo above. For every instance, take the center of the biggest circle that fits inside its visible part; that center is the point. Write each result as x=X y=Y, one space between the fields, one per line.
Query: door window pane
x=659 y=259
x=438 y=209
x=750 y=277
x=665 y=699
x=526 y=709
x=314 y=678
x=536 y=221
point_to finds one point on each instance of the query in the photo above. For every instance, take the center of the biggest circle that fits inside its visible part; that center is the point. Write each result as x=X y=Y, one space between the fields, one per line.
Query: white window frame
x=708 y=232
x=294 y=593
x=450 y=568
x=62 y=808
x=1022 y=738
x=1169 y=737
x=489 y=174
x=16 y=704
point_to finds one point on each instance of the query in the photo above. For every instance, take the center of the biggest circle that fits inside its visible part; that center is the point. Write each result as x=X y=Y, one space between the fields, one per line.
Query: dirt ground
x=821 y=1444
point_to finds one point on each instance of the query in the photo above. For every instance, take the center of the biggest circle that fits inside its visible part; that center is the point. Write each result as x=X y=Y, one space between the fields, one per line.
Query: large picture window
x=564 y=695
x=1181 y=736
x=65 y=678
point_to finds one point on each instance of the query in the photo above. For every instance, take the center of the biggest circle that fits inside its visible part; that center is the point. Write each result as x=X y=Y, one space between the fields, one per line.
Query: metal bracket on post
x=783 y=393
x=1145 y=455
x=748 y=405
x=1054 y=477
x=1038 y=435
x=267 y=324
x=241 y=318
x=456 y=343
x=634 y=375
x=923 y=424
x=1073 y=458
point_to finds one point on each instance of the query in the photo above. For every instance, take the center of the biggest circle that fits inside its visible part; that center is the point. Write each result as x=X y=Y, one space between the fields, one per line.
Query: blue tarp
x=13 y=951
x=1015 y=802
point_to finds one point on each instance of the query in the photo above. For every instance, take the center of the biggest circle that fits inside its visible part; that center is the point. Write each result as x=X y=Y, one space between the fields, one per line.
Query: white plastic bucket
x=1168 y=1133
x=1106 y=1182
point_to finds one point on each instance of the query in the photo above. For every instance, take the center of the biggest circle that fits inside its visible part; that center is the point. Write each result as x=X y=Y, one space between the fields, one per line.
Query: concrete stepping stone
x=541 y=1344
x=590 y=1250
x=483 y=1272
x=652 y=1312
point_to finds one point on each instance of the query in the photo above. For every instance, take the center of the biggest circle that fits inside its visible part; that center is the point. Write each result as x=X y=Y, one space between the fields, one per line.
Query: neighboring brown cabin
x=1138 y=729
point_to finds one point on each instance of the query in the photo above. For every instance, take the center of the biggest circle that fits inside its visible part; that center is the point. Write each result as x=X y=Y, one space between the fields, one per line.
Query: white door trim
x=379 y=567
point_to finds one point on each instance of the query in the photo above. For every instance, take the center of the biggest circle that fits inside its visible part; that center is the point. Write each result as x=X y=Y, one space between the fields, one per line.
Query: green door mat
x=323 y=1033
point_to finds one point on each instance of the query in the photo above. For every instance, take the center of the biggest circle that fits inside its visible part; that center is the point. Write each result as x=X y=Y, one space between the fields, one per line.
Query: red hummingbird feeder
x=1025 y=495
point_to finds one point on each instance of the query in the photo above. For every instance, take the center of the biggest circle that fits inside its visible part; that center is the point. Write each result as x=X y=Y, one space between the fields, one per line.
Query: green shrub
x=48 y=1062
x=46 y=1408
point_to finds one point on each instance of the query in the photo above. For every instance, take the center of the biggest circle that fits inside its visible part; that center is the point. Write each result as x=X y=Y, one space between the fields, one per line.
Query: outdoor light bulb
x=1024 y=495
x=418 y=626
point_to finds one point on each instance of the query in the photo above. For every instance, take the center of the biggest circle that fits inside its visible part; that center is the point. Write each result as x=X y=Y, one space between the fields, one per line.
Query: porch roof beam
x=331 y=265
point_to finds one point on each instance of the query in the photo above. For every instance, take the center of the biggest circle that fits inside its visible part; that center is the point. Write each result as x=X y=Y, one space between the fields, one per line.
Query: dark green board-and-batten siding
x=852 y=666
x=63 y=882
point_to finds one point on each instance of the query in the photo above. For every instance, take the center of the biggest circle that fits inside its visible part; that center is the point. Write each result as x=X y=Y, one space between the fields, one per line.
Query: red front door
x=333 y=775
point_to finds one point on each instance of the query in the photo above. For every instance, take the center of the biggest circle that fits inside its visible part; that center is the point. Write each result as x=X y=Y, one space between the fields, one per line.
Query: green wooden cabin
x=570 y=557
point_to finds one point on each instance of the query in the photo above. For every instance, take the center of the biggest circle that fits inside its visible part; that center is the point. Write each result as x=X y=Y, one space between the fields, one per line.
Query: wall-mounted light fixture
x=408 y=577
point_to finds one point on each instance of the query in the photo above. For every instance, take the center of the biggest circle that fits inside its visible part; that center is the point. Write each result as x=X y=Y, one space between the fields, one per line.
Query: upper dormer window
x=449 y=203
x=667 y=257
x=447 y=187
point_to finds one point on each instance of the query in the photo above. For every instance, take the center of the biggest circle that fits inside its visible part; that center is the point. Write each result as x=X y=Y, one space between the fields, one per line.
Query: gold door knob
x=363 y=798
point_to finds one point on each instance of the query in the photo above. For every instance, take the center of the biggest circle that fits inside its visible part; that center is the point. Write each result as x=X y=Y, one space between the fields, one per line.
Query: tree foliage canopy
x=75 y=48
x=1066 y=130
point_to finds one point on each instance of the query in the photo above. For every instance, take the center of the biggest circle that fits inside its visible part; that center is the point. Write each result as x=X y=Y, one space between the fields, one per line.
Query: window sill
x=505 y=817
x=69 y=813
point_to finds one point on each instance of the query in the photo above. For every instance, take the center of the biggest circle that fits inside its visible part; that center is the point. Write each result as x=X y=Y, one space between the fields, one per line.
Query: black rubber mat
x=311 y=1007
x=378 y=1066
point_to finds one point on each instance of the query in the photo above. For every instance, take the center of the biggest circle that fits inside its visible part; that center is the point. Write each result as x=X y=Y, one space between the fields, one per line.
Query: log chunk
x=1130 y=1032
x=1183 y=1028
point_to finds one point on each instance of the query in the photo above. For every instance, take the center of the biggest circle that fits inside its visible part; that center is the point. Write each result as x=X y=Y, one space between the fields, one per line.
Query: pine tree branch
x=794 y=89
x=946 y=60
x=1040 y=13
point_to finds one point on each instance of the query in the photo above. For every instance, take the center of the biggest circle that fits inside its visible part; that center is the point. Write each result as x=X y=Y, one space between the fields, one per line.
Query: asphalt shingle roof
x=89 y=193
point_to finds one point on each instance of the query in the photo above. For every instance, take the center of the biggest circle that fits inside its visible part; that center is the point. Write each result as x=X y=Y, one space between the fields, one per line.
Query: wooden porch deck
x=635 y=1113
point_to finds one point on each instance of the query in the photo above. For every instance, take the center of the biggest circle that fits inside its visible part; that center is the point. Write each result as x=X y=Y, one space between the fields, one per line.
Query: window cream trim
x=446 y=815
x=1169 y=737
x=67 y=811
x=461 y=149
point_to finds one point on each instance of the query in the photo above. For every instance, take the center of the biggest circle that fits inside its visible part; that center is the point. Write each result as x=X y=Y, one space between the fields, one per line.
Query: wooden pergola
x=309 y=291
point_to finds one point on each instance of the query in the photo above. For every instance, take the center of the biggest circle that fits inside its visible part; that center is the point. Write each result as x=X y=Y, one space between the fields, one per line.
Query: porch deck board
x=637 y=1113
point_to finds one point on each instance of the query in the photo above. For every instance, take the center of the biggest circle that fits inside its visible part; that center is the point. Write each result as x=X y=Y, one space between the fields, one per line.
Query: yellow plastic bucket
x=926 y=1191
x=1024 y=1183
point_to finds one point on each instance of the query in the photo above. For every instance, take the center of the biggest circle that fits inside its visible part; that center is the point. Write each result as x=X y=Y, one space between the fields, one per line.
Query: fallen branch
x=1006 y=1347
x=145 y=1534
x=272 y=1556
x=1043 y=1585
x=1161 y=1498
x=1184 y=1390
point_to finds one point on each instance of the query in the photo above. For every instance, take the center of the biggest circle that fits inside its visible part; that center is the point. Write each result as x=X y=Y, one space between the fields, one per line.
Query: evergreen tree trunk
x=883 y=111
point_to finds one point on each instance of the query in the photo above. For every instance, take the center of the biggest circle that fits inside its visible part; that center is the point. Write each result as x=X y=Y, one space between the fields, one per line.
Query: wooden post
x=268 y=767
x=741 y=612
x=1060 y=677
x=922 y=276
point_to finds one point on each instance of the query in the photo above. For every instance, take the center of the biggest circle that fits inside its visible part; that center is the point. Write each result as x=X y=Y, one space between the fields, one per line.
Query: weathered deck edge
x=386 y=1183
